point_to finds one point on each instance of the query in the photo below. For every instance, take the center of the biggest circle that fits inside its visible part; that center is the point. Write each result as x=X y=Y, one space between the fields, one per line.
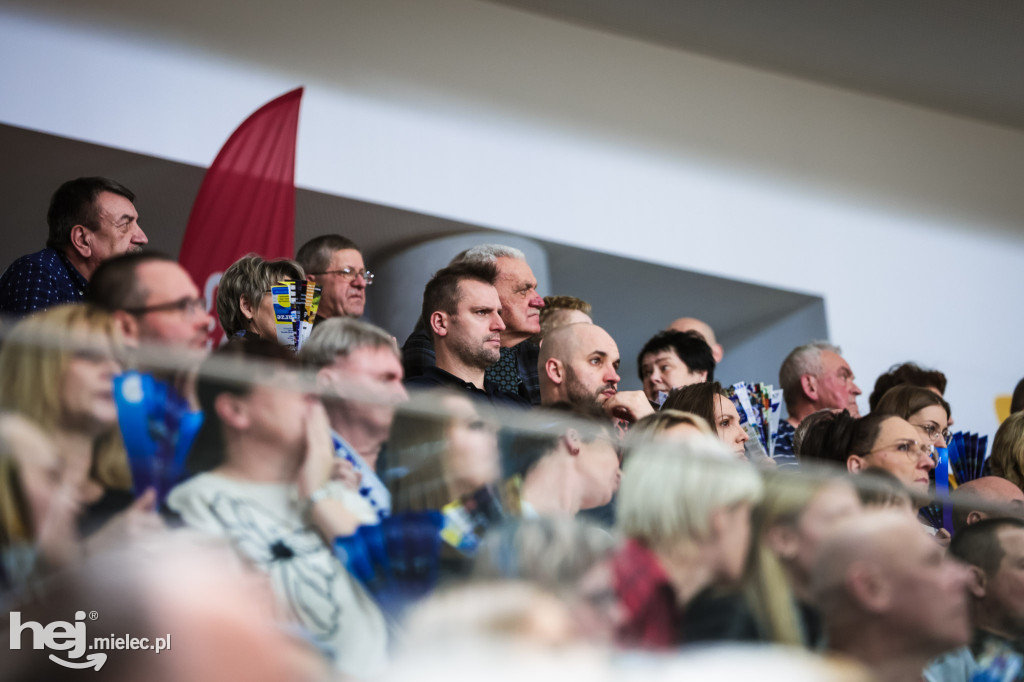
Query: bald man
x=888 y=596
x=578 y=364
x=692 y=324
x=983 y=498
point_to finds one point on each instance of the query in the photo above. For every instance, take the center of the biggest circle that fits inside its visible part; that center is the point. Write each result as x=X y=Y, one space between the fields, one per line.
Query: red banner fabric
x=246 y=203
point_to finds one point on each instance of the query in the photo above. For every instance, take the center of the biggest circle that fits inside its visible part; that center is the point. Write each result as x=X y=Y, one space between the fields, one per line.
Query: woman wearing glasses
x=882 y=441
x=923 y=408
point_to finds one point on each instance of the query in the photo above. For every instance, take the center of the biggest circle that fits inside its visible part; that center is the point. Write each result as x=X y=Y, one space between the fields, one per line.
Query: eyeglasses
x=933 y=432
x=350 y=274
x=186 y=306
x=911 y=448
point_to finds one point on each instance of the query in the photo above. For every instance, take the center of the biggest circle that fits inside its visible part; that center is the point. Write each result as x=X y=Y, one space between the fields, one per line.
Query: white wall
x=907 y=221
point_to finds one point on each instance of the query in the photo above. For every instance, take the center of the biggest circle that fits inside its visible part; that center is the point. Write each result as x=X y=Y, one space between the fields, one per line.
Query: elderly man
x=993 y=550
x=154 y=298
x=336 y=265
x=702 y=329
x=90 y=220
x=463 y=312
x=888 y=596
x=516 y=368
x=579 y=364
x=813 y=377
x=359 y=366
x=985 y=497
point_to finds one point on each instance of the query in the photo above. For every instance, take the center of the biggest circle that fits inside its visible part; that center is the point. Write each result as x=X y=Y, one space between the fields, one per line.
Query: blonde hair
x=648 y=429
x=1007 y=459
x=33 y=361
x=669 y=491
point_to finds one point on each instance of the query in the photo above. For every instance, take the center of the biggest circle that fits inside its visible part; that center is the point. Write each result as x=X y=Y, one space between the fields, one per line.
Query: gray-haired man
x=360 y=366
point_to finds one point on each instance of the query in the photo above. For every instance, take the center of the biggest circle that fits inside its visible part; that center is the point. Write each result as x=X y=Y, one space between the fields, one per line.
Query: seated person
x=907 y=374
x=244 y=304
x=671 y=360
x=922 y=408
x=710 y=401
x=264 y=457
x=1007 y=458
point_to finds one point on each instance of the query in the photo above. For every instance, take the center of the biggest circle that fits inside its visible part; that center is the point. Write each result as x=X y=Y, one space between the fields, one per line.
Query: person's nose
x=855 y=389
x=139 y=237
x=497 y=324
x=611 y=376
x=537 y=301
x=359 y=281
x=742 y=436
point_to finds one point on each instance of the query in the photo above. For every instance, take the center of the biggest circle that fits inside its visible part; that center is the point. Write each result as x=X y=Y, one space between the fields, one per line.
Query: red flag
x=247 y=200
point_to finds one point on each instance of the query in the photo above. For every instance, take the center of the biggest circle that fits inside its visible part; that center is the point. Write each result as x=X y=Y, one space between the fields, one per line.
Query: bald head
x=881 y=577
x=578 y=363
x=692 y=324
x=985 y=497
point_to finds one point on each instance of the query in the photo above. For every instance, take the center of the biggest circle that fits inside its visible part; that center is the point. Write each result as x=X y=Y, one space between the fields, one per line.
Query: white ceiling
x=960 y=56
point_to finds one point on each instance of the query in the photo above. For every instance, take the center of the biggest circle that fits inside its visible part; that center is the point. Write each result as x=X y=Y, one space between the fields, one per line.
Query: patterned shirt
x=783 y=454
x=653 y=620
x=371 y=488
x=38 y=281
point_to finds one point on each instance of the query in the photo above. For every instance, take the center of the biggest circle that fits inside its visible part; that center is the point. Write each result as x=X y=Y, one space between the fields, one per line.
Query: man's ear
x=248 y=312
x=703 y=374
x=128 y=324
x=81 y=240
x=439 y=322
x=232 y=411
x=555 y=371
x=868 y=587
x=974 y=516
x=572 y=441
x=809 y=384
x=977 y=582
x=310 y=278
x=855 y=464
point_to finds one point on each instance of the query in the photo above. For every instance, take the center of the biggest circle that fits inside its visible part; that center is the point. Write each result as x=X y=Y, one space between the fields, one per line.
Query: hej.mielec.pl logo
x=71 y=637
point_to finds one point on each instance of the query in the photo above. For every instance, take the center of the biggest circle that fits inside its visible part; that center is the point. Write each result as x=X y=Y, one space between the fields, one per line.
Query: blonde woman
x=1007 y=458
x=57 y=368
x=687 y=524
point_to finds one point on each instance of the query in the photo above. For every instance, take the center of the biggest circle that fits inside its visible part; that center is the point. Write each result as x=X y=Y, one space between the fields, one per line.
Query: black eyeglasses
x=186 y=306
x=349 y=274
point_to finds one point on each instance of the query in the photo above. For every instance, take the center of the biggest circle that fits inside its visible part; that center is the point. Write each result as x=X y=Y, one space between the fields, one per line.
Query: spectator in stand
x=983 y=498
x=703 y=330
x=578 y=364
x=38 y=512
x=244 y=304
x=993 y=551
x=360 y=368
x=709 y=401
x=57 y=368
x=572 y=465
x=888 y=596
x=812 y=377
x=153 y=298
x=516 y=368
x=907 y=373
x=667 y=426
x=671 y=360
x=90 y=220
x=1007 y=458
x=922 y=408
x=445 y=449
x=685 y=512
x=265 y=457
x=879 y=440
x=336 y=265
x=462 y=309
x=559 y=311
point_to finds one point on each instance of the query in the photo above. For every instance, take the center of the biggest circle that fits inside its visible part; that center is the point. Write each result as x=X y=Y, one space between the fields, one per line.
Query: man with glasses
x=154 y=299
x=336 y=265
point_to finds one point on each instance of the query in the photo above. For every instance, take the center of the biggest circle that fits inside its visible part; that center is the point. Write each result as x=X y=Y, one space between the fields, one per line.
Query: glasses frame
x=932 y=430
x=927 y=448
x=350 y=274
x=187 y=305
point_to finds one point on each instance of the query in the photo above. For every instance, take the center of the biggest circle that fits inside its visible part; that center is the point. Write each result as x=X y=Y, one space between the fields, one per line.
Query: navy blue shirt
x=38 y=281
x=783 y=454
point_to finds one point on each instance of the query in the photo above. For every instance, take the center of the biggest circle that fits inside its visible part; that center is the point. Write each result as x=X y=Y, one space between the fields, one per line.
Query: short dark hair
x=689 y=347
x=74 y=203
x=698 y=399
x=1017 y=401
x=835 y=439
x=114 y=286
x=442 y=291
x=235 y=358
x=315 y=255
x=978 y=544
x=906 y=373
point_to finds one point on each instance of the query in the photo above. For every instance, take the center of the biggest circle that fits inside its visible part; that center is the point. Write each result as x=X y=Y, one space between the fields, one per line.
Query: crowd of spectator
x=481 y=499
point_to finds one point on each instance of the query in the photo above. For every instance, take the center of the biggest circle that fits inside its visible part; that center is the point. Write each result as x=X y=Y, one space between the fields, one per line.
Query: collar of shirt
x=370 y=487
